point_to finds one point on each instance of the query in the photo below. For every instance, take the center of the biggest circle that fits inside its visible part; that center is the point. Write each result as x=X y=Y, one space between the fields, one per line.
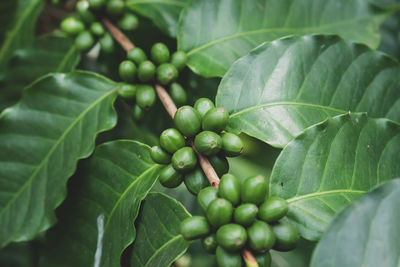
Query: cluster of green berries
x=88 y=30
x=240 y=216
x=162 y=67
x=202 y=127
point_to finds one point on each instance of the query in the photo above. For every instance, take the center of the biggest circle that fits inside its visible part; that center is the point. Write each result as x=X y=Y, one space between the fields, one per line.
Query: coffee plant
x=200 y=133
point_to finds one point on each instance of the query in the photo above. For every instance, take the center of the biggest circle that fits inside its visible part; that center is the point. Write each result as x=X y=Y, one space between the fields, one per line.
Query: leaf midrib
x=10 y=36
x=67 y=56
x=252 y=108
x=323 y=193
x=161 y=248
x=53 y=148
x=291 y=30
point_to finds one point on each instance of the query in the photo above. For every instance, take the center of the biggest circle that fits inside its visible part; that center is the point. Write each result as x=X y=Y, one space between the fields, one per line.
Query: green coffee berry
x=128 y=22
x=215 y=120
x=127 y=71
x=208 y=143
x=264 y=259
x=231 y=144
x=82 y=7
x=219 y=212
x=159 y=53
x=254 y=190
x=209 y=243
x=145 y=96
x=146 y=71
x=137 y=112
x=232 y=237
x=171 y=140
x=273 y=209
x=195 y=181
x=137 y=55
x=194 y=227
x=260 y=236
x=245 y=214
x=97 y=29
x=166 y=73
x=84 y=41
x=97 y=4
x=72 y=26
x=184 y=160
x=159 y=155
x=187 y=120
x=127 y=90
x=227 y=259
x=115 y=7
x=178 y=59
x=178 y=94
x=169 y=177
x=206 y=196
x=203 y=105
x=286 y=235
x=220 y=164
x=107 y=43
x=229 y=188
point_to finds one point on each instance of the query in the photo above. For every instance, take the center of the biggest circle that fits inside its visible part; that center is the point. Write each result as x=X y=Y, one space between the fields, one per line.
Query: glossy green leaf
x=49 y=53
x=365 y=234
x=331 y=164
x=97 y=219
x=41 y=140
x=285 y=86
x=7 y=13
x=215 y=33
x=158 y=241
x=164 y=13
x=20 y=33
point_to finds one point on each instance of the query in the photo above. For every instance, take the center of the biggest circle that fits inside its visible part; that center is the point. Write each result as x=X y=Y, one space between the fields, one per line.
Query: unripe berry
x=273 y=209
x=184 y=160
x=146 y=71
x=254 y=190
x=159 y=53
x=231 y=144
x=179 y=59
x=166 y=73
x=72 y=26
x=107 y=43
x=159 y=155
x=203 y=105
x=261 y=238
x=206 y=196
x=208 y=143
x=194 y=227
x=115 y=7
x=127 y=71
x=286 y=235
x=219 y=212
x=209 y=243
x=169 y=177
x=127 y=90
x=145 y=96
x=178 y=94
x=171 y=140
x=232 y=237
x=128 y=22
x=137 y=55
x=195 y=181
x=215 y=120
x=187 y=120
x=84 y=41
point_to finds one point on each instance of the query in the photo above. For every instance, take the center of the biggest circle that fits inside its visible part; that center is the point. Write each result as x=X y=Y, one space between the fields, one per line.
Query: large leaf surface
x=164 y=13
x=365 y=234
x=332 y=164
x=41 y=140
x=97 y=219
x=49 y=53
x=285 y=86
x=215 y=33
x=158 y=242
x=19 y=33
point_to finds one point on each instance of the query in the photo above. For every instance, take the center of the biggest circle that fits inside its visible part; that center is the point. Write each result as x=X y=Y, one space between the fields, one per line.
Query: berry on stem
x=220 y=164
x=273 y=209
x=145 y=96
x=115 y=7
x=179 y=59
x=194 y=227
x=261 y=238
x=166 y=73
x=84 y=41
x=254 y=190
x=206 y=196
x=127 y=70
x=196 y=181
x=146 y=71
x=229 y=188
x=209 y=243
x=232 y=237
x=219 y=212
x=136 y=55
x=72 y=26
x=187 y=120
x=159 y=155
x=97 y=4
x=82 y=7
x=97 y=29
x=184 y=160
x=245 y=214
x=203 y=105
x=231 y=144
x=137 y=112
x=215 y=120
x=227 y=259
x=178 y=94
x=286 y=235
x=171 y=140
x=127 y=90
x=169 y=177
x=107 y=43
x=208 y=143
x=159 y=53
x=128 y=22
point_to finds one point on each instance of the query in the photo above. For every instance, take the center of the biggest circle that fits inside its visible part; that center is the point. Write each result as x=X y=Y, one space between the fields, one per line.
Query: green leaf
x=49 y=53
x=285 y=86
x=158 y=242
x=365 y=234
x=21 y=32
x=164 y=13
x=97 y=219
x=216 y=33
x=41 y=140
x=7 y=13
x=331 y=164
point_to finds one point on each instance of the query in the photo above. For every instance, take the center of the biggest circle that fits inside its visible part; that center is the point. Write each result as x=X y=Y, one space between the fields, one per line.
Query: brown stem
x=166 y=100
x=249 y=259
x=118 y=35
